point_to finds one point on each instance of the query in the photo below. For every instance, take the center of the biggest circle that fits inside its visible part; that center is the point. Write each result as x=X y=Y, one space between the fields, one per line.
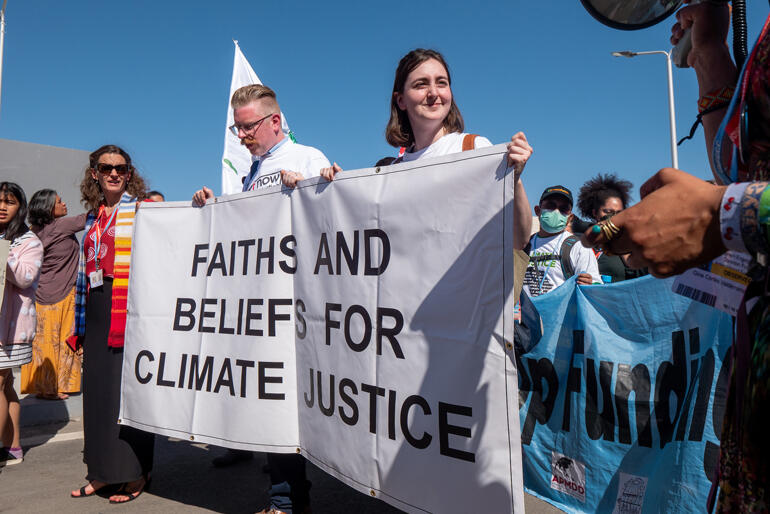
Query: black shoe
x=232 y=457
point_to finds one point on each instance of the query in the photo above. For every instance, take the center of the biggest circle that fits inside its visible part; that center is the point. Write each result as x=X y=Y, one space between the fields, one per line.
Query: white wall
x=35 y=167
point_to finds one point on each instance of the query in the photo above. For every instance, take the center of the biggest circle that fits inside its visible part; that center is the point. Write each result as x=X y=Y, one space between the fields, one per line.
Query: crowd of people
x=65 y=300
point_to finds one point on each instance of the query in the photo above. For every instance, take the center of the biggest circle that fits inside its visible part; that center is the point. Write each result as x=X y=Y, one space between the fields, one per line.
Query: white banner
x=366 y=323
x=236 y=159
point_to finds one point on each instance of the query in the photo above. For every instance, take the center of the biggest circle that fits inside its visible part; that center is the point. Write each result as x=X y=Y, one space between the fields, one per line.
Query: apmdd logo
x=568 y=476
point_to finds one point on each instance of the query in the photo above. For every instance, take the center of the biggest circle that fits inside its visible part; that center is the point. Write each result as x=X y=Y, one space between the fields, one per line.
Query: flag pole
x=2 y=43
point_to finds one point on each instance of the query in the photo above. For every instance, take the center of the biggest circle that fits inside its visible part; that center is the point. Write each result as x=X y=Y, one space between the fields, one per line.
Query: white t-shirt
x=450 y=143
x=286 y=155
x=545 y=275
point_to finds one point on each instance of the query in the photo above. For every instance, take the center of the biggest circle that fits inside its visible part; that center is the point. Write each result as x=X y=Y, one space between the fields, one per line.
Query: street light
x=2 y=40
x=671 y=116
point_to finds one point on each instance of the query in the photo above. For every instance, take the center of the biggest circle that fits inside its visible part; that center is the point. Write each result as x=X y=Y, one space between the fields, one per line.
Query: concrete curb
x=35 y=412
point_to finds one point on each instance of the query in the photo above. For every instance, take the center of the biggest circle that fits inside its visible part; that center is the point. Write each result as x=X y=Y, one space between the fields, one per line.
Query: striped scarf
x=124 y=230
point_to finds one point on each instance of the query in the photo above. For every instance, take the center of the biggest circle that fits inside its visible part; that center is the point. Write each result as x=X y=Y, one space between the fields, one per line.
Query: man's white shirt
x=545 y=275
x=286 y=155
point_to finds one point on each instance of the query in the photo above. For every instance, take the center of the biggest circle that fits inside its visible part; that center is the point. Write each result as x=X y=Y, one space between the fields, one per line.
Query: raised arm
x=519 y=152
x=710 y=57
x=72 y=224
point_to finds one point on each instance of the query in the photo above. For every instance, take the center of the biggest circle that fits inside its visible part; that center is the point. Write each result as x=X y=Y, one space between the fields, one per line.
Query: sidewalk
x=52 y=413
x=183 y=478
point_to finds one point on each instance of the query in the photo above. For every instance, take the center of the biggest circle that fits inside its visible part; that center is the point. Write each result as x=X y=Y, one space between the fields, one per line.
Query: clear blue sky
x=154 y=77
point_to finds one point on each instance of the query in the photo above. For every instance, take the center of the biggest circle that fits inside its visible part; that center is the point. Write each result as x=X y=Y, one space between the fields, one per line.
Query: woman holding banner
x=17 y=315
x=115 y=455
x=425 y=120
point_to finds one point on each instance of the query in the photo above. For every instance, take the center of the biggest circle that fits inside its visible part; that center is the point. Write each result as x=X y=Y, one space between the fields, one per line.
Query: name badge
x=721 y=284
x=96 y=278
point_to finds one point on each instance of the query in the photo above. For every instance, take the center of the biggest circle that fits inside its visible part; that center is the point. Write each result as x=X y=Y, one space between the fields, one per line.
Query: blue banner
x=621 y=401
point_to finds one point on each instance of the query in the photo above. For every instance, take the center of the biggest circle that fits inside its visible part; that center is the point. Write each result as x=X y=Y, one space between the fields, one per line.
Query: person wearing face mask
x=554 y=255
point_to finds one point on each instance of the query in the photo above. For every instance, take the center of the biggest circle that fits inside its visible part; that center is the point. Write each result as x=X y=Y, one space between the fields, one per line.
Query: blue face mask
x=552 y=221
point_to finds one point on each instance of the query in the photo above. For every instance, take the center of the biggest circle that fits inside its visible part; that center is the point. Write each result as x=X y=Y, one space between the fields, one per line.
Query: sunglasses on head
x=106 y=169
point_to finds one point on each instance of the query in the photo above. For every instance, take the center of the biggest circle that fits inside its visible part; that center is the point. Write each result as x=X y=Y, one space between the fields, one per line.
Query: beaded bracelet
x=754 y=238
x=718 y=97
x=708 y=103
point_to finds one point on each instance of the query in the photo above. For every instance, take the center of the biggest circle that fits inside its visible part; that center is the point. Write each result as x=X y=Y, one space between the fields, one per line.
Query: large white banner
x=366 y=323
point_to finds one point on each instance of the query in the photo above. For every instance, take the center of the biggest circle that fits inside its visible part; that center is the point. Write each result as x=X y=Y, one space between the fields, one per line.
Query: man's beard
x=248 y=141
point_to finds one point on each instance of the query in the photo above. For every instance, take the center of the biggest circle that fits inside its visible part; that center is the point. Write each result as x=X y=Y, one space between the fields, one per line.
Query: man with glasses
x=554 y=255
x=276 y=158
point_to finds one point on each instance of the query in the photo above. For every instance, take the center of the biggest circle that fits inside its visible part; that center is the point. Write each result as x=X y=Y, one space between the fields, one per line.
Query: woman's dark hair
x=41 y=207
x=90 y=192
x=398 y=132
x=16 y=226
x=596 y=191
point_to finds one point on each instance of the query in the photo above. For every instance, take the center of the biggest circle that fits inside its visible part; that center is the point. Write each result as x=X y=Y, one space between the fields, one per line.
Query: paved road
x=183 y=481
x=183 y=478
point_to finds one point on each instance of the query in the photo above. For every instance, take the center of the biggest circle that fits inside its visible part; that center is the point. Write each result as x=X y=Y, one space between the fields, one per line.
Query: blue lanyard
x=98 y=230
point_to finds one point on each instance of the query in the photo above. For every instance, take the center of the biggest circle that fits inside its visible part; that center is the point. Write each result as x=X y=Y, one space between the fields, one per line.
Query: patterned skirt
x=13 y=355
x=54 y=367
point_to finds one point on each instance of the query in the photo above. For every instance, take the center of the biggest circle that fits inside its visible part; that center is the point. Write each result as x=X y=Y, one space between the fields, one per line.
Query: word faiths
x=366 y=252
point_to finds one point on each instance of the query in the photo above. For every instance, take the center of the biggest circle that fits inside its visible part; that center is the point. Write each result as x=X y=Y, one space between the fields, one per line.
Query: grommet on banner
x=508 y=345
x=371 y=491
x=192 y=438
x=298 y=450
x=377 y=169
x=120 y=421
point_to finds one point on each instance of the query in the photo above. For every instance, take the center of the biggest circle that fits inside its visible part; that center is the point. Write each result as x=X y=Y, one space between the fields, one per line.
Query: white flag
x=236 y=159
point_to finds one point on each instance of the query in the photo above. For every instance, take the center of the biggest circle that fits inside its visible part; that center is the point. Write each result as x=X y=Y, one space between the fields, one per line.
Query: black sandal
x=132 y=495
x=83 y=494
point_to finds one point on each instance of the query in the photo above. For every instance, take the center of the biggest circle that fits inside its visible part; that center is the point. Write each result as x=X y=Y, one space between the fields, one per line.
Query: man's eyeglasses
x=247 y=129
x=106 y=169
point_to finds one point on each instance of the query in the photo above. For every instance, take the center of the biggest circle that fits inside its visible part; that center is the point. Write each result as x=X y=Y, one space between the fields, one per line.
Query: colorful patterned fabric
x=124 y=230
x=741 y=149
x=81 y=289
x=107 y=227
x=54 y=368
x=744 y=465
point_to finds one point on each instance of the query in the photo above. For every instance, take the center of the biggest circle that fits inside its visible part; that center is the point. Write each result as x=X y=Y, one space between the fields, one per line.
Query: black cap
x=557 y=191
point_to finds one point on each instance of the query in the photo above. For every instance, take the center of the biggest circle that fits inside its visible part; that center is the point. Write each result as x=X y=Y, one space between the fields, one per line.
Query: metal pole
x=2 y=42
x=671 y=115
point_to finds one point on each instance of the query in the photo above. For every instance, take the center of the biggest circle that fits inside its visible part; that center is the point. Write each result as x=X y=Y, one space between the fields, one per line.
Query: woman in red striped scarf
x=117 y=456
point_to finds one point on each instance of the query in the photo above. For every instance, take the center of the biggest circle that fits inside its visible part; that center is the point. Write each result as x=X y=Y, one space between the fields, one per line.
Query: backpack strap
x=566 y=248
x=529 y=245
x=469 y=142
